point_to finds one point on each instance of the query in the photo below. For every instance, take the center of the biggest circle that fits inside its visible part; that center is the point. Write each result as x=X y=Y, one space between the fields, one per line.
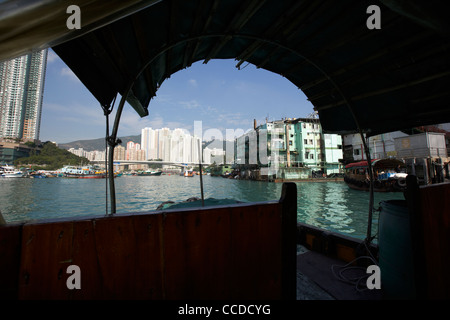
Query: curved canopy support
x=262 y=41
x=359 y=79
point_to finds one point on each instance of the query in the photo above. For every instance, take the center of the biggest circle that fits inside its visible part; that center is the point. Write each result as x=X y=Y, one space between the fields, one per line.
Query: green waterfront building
x=292 y=148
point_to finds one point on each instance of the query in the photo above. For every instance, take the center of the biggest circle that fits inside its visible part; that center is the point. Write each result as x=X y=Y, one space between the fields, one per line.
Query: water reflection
x=329 y=205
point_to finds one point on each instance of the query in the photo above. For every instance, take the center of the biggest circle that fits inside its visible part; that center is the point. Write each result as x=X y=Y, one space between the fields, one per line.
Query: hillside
x=50 y=157
x=97 y=144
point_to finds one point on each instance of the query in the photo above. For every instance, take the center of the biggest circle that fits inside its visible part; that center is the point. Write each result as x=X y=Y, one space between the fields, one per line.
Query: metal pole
x=371 y=194
x=106 y=159
x=107 y=110
x=112 y=188
x=201 y=172
x=112 y=141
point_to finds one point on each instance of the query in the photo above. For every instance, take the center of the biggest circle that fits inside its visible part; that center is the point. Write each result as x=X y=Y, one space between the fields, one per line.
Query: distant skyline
x=216 y=93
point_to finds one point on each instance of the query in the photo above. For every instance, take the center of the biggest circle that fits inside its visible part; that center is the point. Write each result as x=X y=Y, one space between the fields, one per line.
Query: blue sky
x=216 y=93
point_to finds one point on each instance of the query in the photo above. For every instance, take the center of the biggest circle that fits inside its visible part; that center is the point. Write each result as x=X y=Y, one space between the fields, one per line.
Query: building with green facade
x=292 y=148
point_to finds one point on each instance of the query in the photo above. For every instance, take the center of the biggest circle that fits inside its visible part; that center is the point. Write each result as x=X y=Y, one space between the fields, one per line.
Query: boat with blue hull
x=38 y=175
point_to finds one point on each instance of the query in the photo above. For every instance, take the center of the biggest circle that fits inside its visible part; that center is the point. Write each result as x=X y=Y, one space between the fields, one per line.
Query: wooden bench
x=430 y=228
x=242 y=251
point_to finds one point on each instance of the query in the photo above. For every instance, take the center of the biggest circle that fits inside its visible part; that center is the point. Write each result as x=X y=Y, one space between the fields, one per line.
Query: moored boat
x=389 y=175
x=188 y=173
x=85 y=172
x=7 y=171
x=37 y=175
x=149 y=173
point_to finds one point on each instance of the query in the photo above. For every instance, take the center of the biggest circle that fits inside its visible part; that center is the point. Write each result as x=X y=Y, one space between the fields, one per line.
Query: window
x=290 y=143
x=305 y=141
x=356 y=152
x=311 y=156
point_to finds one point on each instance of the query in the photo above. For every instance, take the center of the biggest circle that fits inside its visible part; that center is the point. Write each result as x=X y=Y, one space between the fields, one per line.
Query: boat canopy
x=359 y=164
x=377 y=163
x=358 y=78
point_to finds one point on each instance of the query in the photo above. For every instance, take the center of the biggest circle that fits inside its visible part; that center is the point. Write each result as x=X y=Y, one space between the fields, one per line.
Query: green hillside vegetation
x=50 y=157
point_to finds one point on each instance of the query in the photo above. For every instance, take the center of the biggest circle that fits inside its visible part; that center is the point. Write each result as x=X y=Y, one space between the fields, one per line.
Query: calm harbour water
x=329 y=205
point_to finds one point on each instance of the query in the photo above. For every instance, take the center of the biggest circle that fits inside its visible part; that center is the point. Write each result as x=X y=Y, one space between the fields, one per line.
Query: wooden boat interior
x=359 y=80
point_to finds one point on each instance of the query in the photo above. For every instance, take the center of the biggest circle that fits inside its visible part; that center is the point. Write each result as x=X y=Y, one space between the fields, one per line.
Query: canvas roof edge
x=25 y=30
x=359 y=103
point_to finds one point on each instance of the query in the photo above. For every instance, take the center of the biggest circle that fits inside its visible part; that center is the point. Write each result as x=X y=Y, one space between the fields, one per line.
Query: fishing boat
x=37 y=175
x=7 y=171
x=149 y=173
x=84 y=172
x=389 y=175
x=188 y=173
x=396 y=79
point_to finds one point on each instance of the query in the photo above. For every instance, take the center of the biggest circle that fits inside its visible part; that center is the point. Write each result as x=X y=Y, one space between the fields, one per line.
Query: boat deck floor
x=318 y=278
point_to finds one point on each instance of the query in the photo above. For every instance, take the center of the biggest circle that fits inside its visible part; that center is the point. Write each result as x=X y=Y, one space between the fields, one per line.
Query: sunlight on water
x=329 y=205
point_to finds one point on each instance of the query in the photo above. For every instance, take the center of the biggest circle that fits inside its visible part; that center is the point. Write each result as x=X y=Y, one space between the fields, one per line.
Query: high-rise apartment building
x=170 y=145
x=149 y=143
x=21 y=95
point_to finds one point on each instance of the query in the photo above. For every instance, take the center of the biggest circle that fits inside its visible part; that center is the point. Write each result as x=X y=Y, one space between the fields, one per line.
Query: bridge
x=172 y=163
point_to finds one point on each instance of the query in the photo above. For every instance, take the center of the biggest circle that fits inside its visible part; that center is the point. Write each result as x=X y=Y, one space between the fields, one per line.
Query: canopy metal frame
x=113 y=141
x=358 y=80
